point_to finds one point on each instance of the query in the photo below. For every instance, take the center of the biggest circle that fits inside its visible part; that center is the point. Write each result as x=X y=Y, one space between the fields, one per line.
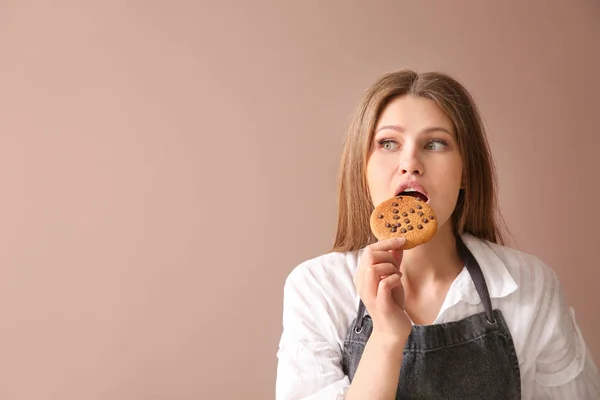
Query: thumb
x=385 y=298
x=397 y=294
x=397 y=253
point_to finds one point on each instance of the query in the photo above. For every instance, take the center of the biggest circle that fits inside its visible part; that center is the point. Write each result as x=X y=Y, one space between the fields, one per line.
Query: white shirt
x=320 y=302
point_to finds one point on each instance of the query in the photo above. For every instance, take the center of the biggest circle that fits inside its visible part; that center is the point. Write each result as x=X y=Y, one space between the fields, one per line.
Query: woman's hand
x=379 y=286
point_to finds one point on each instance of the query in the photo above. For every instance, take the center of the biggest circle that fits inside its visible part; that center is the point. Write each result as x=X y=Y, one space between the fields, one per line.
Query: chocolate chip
x=425 y=220
x=419 y=206
x=395 y=204
x=394 y=229
x=418 y=199
x=410 y=227
x=388 y=225
x=403 y=230
x=399 y=197
x=397 y=224
x=396 y=217
x=407 y=220
x=380 y=216
x=420 y=226
x=404 y=214
x=420 y=213
x=431 y=217
x=395 y=211
x=411 y=211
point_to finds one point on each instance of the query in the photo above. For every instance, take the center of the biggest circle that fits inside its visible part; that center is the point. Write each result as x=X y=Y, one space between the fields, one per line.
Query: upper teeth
x=410 y=190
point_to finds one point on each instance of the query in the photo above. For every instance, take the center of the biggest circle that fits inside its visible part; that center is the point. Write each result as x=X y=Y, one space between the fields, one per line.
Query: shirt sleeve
x=309 y=364
x=564 y=365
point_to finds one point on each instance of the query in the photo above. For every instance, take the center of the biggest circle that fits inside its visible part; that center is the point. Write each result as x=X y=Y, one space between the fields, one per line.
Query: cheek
x=377 y=176
x=371 y=177
x=448 y=180
x=454 y=171
x=454 y=183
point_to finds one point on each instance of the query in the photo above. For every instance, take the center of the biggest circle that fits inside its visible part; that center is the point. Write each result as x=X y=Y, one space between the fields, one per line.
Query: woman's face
x=415 y=148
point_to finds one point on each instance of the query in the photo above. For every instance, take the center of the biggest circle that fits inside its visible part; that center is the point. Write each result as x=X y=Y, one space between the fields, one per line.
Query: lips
x=414 y=189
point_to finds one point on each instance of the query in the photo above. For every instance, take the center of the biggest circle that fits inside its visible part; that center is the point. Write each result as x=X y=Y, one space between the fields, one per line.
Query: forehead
x=414 y=113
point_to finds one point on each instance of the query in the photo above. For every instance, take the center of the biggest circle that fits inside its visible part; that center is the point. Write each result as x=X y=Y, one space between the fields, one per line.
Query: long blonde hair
x=476 y=210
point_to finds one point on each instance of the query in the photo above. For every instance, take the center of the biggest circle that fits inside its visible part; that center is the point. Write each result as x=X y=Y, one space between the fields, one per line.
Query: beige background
x=165 y=164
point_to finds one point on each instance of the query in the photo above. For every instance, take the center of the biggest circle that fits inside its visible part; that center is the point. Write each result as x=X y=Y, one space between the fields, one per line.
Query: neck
x=436 y=261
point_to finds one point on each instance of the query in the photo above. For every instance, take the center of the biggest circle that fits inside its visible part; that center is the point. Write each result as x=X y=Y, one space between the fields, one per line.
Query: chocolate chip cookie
x=404 y=216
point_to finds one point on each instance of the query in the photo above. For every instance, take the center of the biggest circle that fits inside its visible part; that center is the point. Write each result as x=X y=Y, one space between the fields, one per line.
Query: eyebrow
x=398 y=128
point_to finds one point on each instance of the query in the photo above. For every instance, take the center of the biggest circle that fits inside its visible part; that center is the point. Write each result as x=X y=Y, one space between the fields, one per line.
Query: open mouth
x=415 y=194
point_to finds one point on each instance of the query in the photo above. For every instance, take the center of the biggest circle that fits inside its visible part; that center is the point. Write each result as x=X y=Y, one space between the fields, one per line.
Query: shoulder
x=527 y=269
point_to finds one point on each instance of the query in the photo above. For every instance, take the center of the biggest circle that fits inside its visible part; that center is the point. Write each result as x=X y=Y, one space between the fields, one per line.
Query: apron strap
x=359 y=317
x=476 y=275
x=478 y=279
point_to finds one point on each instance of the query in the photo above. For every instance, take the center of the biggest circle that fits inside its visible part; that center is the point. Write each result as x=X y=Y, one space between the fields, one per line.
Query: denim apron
x=473 y=358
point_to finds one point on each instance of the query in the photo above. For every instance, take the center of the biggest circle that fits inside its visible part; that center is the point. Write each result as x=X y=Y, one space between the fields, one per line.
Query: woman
x=459 y=317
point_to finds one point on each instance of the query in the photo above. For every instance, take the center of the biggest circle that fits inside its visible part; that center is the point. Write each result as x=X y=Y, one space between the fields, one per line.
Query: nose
x=410 y=162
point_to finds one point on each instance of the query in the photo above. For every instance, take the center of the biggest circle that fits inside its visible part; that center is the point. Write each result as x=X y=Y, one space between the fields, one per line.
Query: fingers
x=379 y=261
x=385 y=301
x=370 y=283
x=374 y=257
x=382 y=270
x=374 y=275
x=388 y=244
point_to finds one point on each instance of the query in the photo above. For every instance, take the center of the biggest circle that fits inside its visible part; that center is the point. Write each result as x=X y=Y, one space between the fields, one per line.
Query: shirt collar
x=497 y=278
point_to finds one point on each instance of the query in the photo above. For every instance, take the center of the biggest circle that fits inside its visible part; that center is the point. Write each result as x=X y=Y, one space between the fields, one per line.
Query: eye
x=436 y=145
x=388 y=144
